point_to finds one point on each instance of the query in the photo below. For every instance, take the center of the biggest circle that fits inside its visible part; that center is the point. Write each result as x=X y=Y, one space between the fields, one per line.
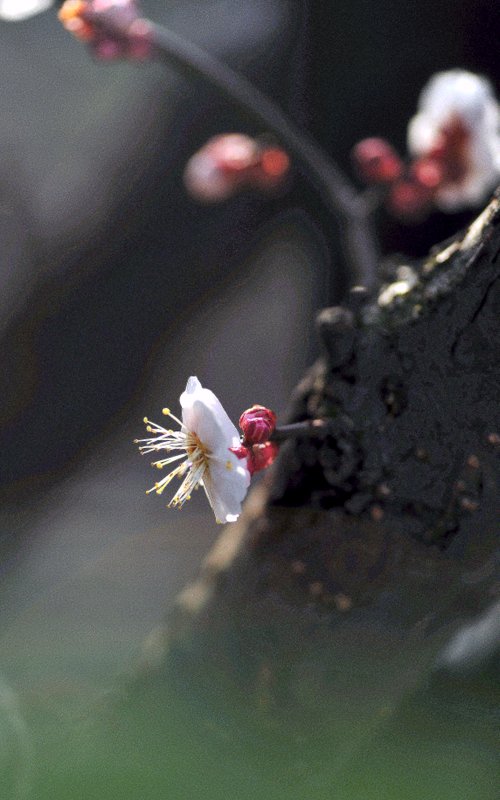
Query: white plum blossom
x=460 y=99
x=205 y=436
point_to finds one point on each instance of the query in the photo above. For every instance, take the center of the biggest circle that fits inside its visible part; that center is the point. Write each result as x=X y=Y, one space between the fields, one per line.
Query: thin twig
x=348 y=206
x=307 y=428
x=339 y=195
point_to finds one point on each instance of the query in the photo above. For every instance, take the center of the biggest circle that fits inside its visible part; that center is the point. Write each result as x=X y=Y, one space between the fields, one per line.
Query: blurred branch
x=340 y=197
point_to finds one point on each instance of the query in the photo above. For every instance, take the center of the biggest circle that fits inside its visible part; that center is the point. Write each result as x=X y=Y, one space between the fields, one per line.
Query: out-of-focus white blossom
x=458 y=126
x=230 y=162
x=16 y=10
x=204 y=440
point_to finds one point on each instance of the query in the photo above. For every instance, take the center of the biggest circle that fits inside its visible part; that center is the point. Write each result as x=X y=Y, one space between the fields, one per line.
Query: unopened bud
x=410 y=200
x=230 y=162
x=219 y=168
x=86 y=20
x=261 y=456
x=377 y=161
x=428 y=171
x=257 y=424
x=271 y=169
x=240 y=452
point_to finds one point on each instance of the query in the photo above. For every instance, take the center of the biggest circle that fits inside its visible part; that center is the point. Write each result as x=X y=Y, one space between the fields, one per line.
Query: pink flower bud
x=271 y=170
x=409 y=200
x=261 y=456
x=377 y=161
x=86 y=19
x=231 y=162
x=220 y=167
x=429 y=172
x=257 y=456
x=257 y=424
x=106 y=49
x=240 y=452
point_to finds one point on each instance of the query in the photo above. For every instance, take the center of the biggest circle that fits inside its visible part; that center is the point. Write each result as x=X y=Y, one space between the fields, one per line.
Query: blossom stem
x=340 y=197
x=348 y=206
x=297 y=429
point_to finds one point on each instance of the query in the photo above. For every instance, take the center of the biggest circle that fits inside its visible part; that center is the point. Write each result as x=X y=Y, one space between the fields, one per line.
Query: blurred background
x=115 y=287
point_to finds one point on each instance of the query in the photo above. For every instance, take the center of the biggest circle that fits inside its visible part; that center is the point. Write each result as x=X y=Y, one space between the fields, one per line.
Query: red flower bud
x=410 y=200
x=240 y=452
x=271 y=170
x=84 y=18
x=261 y=456
x=377 y=161
x=230 y=162
x=257 y=424
x=428 y=171
x=221 y=167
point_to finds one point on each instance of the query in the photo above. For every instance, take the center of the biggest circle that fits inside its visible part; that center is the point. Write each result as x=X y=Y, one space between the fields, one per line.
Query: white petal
x=15 y=10
x=422 y=134
x=456 y=92
x=470 y=97
x=226 y=488
x=203 y=414
x=204 y=180
x=227 y=479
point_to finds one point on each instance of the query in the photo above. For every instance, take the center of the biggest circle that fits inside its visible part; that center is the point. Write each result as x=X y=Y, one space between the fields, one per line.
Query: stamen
x=168 y=413
x=194 y=457
x=165 y=461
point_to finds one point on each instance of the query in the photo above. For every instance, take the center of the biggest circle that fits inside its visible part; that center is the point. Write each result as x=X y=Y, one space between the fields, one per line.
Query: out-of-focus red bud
x=428 y=171
x=271 y=169
x=72 y=14
x=219 y=168
x=261 y=456
x=377 y=161
x=83 y=18
x=233 y=152
x=409 y=200
x=230 y=162
x=257 y=424
x=275 y=162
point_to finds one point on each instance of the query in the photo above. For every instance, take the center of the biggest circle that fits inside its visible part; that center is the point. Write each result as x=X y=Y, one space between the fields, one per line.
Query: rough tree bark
x=367 y=546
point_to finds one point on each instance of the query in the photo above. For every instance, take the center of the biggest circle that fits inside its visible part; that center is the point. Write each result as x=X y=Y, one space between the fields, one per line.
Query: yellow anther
x=229 y=466
x=166 y=411
x=145 y=420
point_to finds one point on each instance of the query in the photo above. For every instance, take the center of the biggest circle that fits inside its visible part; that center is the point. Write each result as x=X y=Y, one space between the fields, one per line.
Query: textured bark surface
x=368 y=546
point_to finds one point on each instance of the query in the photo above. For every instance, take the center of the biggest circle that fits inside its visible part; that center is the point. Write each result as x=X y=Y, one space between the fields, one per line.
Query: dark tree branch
x=390 y=515
x=348 y=207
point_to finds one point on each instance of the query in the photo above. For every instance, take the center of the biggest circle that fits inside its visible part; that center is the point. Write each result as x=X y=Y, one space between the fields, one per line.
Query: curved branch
x=339 y=196
x=342 y=200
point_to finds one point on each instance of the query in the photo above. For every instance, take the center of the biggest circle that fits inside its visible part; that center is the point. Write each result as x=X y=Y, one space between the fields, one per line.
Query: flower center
x=196 y=450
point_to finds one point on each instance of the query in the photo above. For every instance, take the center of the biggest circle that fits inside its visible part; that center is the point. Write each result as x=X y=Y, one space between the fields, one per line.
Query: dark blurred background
x=106 y=263
x=115 y=286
